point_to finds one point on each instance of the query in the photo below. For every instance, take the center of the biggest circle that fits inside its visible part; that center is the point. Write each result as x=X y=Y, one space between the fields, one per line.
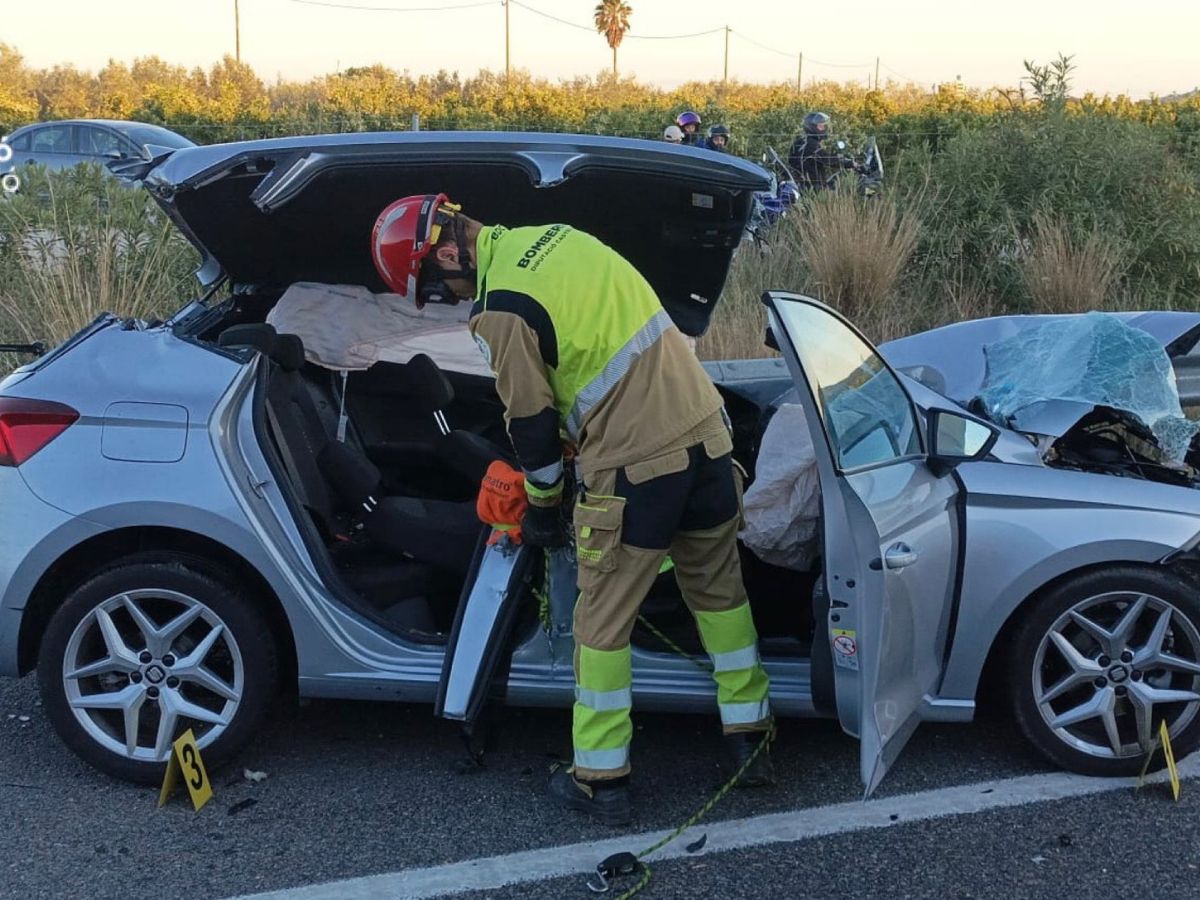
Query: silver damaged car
x=207 y=517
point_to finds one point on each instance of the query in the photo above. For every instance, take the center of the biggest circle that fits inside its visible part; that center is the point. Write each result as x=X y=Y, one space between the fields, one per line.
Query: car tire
x=148 y=648
x=1100 y=661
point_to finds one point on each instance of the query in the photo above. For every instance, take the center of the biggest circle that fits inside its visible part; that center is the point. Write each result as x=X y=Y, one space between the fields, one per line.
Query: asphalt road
x=360 y=789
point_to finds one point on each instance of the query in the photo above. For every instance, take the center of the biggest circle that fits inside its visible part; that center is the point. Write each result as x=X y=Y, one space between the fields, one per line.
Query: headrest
x=429 y=382
x=288 y=352
x=258 y=335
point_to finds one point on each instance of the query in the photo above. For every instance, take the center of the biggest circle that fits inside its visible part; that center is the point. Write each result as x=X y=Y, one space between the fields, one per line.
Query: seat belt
x=342 y=417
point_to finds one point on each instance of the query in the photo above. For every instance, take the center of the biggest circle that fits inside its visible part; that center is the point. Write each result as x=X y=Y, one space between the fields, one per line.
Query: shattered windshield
x=1093 y=359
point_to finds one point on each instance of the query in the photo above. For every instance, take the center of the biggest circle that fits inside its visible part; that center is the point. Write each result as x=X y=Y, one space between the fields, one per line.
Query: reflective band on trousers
x=602 y=760
x=546 y=474
x=605 y=701
x=735 y=660
x=744 y=713
x=614 y=370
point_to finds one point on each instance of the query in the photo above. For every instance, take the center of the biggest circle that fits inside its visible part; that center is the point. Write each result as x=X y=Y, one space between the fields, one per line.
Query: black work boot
x=739 y=747
x=606 y=801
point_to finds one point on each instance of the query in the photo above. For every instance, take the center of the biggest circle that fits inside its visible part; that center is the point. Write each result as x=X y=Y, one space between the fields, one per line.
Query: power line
x=750 y=40
x=399 y=9
x=899 y=74
x=796 y=55
x=630 y=36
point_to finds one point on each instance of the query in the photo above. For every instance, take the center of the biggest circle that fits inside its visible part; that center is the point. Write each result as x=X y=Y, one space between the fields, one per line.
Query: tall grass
x=845 y=250
x=1065 y=275
x=76 y=244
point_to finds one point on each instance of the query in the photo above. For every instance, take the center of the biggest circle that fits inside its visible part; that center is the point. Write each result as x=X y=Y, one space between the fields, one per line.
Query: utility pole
x=799 y=72
x=877 y=73
x=237 y=32
x=507 y=56
x=726 y=76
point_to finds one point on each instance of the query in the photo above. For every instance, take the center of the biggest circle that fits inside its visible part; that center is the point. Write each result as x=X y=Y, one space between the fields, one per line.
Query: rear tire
x=143 y=651
x=1101 y=661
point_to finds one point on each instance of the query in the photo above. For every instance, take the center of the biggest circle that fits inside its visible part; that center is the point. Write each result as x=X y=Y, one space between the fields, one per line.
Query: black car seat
x=330 y=475
x=399 y=590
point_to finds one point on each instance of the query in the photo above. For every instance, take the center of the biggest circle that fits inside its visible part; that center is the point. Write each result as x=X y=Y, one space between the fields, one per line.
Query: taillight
x=26 y=426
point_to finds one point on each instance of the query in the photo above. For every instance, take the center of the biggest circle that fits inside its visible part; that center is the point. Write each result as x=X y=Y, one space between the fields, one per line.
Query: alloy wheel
x=1112 y=668
x=145 y=665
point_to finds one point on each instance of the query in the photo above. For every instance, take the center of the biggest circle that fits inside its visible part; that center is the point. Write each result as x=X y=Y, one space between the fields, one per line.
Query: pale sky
x=1119 y=47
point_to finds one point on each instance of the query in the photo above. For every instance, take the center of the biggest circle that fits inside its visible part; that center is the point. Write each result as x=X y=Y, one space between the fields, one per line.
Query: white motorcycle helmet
x=673 y=134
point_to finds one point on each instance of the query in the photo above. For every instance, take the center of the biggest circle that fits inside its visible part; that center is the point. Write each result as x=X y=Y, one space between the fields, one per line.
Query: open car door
x=891 y=529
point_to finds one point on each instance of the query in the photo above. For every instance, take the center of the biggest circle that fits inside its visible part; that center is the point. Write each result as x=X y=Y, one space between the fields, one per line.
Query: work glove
x=543 y=527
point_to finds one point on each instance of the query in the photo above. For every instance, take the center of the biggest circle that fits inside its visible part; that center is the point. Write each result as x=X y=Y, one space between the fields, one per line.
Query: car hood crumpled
x=270 y=213
x=1076 y=383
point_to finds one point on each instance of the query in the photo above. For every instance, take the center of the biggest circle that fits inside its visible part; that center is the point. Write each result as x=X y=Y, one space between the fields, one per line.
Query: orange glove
x=501 y=502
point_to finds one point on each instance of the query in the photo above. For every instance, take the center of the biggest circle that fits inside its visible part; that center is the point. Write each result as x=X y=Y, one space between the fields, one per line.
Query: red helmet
x=404 y=234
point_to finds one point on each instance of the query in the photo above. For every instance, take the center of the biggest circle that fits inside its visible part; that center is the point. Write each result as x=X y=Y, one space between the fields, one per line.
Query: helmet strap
x=433 y=287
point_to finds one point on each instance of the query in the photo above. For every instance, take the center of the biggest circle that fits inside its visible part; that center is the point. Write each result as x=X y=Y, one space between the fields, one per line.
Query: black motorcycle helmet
x=718 y=129
x=816 y=124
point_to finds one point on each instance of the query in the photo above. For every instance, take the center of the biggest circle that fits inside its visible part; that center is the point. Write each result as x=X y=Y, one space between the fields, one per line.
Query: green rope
x=768 y=736
x=699 y=664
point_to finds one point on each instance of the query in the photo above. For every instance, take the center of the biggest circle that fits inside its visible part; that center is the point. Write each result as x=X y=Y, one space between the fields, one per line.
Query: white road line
x=795 y=825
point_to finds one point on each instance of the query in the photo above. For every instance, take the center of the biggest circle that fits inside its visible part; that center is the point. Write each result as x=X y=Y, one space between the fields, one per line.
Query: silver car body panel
x=891 y=541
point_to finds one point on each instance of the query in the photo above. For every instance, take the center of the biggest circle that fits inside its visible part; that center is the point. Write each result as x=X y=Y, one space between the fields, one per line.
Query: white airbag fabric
x=347 y=327
x=783 y=505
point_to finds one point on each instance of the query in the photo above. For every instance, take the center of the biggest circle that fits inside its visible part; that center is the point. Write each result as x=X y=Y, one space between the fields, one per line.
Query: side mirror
x=955 y=438
x=769 y=339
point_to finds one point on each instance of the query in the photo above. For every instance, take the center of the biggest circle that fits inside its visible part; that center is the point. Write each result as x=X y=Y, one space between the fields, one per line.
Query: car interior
x=384 y=465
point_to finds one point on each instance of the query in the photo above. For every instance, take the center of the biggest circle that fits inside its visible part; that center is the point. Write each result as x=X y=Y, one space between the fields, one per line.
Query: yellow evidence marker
x=1164 y=741
x=185 y=759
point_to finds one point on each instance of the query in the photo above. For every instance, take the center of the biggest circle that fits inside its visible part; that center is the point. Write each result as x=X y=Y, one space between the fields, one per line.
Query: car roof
x=118 y=124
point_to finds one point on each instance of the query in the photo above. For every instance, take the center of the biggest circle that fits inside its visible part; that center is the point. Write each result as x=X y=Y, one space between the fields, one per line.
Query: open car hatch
x=271 y=213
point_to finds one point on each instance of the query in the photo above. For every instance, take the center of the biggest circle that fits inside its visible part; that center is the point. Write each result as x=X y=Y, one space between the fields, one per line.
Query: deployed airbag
x=1070 y=366
x=783 y=505
x=348 y=328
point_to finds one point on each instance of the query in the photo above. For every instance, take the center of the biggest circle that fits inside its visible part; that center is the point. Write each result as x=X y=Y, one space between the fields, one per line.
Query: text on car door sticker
x=845 y=648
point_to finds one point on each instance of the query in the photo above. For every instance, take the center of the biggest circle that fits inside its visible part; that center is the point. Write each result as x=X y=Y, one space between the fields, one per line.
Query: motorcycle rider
x=673 y=134
x=814 y=165
x=718 y=138
x=689 y=121
x=580 y=342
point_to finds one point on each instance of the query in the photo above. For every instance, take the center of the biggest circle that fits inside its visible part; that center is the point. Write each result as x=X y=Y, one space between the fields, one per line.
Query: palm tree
x=612 y=21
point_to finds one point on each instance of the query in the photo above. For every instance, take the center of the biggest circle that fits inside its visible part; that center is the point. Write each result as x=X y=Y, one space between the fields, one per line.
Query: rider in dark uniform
x=814 y=164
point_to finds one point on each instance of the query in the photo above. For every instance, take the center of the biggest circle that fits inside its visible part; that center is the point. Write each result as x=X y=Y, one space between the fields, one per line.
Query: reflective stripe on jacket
x=567 y=324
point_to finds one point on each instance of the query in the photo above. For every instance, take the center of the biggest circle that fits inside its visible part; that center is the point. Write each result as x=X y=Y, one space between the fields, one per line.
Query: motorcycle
x=775 y=204
x=771 y=206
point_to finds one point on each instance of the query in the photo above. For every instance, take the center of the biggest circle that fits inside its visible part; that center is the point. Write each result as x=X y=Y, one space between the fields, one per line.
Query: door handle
x=899 y=555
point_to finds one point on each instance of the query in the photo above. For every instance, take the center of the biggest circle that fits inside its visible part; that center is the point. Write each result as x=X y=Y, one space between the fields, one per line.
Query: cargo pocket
x=668 y=464
x=597 y=537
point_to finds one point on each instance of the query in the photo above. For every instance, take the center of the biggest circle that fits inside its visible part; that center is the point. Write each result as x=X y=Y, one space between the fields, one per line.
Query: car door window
x=20 y=142
x=98 y=142
x=52 y=139
x=867 y=415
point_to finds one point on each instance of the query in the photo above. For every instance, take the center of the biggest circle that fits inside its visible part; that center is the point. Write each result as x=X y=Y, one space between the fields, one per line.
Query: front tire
x=145 y=650
x=1101 y=662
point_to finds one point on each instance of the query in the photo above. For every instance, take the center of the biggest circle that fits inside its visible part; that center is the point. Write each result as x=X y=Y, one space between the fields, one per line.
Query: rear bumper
x=33 y=535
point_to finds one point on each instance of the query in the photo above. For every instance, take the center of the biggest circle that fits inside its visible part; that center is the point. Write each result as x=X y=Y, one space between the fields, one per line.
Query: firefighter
x=579 y=342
